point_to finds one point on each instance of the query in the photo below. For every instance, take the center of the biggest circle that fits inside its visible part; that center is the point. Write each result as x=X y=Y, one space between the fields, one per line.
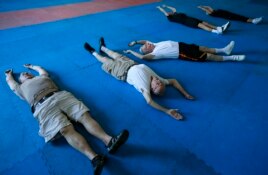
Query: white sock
x=227 y=49
x=219 y=29
x=257 y=20
x=234 y=58
x=225 y=26
x=95 y=53
x=104 y=49
x=216 y=31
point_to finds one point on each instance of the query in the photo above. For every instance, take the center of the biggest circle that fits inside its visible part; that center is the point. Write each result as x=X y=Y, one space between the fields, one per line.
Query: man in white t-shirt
x=144 y=79
x=179 y=50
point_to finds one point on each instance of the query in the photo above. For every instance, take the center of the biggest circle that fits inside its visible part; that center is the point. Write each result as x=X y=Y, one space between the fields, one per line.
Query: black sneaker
x=98 y=163
x=102 y=43
x=117 y=141
x=89 y=48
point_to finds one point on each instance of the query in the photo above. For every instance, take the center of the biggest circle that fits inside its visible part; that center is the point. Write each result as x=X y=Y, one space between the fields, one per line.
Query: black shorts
x=191 y=52
x=184 y=19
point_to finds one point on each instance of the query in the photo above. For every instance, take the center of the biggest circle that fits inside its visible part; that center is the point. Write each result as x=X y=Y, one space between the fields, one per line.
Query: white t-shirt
x=166 y=49
x=140 y=77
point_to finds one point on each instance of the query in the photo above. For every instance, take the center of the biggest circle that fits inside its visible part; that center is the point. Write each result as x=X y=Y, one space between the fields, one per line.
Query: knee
x=67 y=130
x=209 y=55
x=84 y=118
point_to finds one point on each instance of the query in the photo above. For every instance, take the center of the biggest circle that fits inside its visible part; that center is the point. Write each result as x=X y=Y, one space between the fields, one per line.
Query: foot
x=98 y=163
x=257 y=20
x=102 y=43
x=218 y=30
x=117 y=141
x=228 y=49
x=89 y=48
x=238 y=57
x=226 y=26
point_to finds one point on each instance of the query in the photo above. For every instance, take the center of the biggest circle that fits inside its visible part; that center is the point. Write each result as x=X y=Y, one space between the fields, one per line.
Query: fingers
x=173 y=113
x=132 y=43
x=190 y=97
x=27 y=65
x=177 y=116
x=8 y=71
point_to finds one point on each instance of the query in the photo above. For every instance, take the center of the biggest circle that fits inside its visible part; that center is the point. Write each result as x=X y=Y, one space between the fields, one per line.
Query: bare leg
x=204 y=27
x=110 y=53
x=77 y=141
x=226 y=50
x=209 y=25
x=92 y=51
x=101 y=58
x=94 y=128
x=212 y=57
x=206 y=49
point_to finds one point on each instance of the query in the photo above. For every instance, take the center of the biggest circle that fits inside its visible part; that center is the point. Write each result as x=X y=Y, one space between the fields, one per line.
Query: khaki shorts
x=56 y=112
x=118 y=67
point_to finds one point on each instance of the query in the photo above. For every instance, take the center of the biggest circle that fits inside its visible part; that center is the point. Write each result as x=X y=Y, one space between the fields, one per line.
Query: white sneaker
x=238 y=57
x=257 y=20
x=228 y=49
x=226 y=26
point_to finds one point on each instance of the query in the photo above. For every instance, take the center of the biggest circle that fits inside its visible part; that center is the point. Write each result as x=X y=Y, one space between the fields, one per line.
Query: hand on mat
x=9 y=72
x=132 y=43
x=29 y=66
x=173 y=113
x=189 y=97
x=126 y=51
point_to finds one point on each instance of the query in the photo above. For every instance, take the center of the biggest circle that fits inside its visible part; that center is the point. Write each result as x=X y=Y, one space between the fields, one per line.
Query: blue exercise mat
x=226 y=127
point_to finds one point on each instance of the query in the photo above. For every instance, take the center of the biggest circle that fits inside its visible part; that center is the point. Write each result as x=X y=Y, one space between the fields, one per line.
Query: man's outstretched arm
x=179 y=87
x=172 y=112
x=12 y=83
x=140 y=56
x=38 y=69
x=132 y=43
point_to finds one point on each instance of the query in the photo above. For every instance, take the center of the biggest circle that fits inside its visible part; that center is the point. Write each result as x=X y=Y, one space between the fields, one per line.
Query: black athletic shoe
x=98 y=163
x=102 y=43
x=117 y=141
x=89 y=48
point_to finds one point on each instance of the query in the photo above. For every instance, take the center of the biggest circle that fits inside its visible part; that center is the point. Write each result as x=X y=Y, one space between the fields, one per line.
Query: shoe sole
x=98 y=170
x=102 y=43
x=123 y=138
